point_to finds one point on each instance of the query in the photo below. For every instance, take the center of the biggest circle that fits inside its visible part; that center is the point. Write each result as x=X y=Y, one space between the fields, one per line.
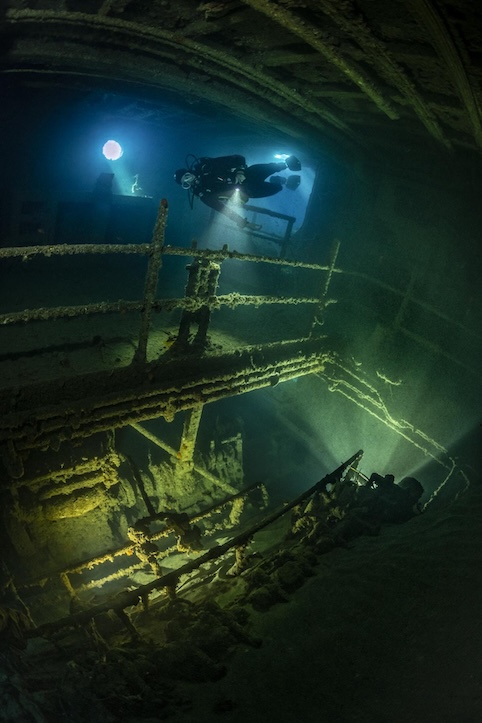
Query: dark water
x=406 y=314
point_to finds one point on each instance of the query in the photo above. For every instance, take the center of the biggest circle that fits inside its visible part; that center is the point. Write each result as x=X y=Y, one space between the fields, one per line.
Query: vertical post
x=189 y=435
x=202 y=284
x=152 y=275
x=184 y=477
x=317 y=320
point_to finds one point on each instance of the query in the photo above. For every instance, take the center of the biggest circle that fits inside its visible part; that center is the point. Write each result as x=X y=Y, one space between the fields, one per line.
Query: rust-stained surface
x=379 y=71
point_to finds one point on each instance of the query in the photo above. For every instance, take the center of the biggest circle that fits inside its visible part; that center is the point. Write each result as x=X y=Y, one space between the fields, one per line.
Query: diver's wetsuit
x=218 y=178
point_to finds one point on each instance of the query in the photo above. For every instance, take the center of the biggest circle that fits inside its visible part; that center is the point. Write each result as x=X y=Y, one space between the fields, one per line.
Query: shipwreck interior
x=192 y=413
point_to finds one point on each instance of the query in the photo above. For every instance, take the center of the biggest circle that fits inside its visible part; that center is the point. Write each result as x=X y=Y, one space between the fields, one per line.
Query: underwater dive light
x=112 y=150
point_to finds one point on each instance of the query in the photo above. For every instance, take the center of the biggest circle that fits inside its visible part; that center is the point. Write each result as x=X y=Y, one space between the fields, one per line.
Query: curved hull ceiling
x=384 y=72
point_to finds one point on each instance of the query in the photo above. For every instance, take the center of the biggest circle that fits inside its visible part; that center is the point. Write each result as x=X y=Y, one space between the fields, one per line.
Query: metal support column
x=170 y=450
x=152 y=275
x=202 y=284
x=189 y=436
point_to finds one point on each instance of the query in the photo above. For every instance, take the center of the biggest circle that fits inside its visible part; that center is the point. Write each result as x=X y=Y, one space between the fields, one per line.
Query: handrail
x=128 y=548
x=27 y=252
x=171 y=579
x=153 y=268
x=192 y=304
x=43 y=314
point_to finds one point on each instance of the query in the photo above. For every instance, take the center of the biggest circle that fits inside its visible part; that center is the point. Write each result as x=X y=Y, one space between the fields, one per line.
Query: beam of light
x=235 y=199
x=354 y=384
x=125 y=181
x=281 y=156
x=220 y=231
x=339 y=409
x=392 y=445
x=112 y=150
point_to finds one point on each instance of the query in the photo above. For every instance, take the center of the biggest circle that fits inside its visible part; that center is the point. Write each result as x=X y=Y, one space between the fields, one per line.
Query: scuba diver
x=218 y=180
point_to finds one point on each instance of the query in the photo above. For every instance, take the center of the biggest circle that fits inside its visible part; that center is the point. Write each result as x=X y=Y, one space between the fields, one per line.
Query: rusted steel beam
x=152 y=277
x=312 y=35
x=349 y=19
x=75 y=408
x=440 y=37
x=121 y=307
x=190 y=431
x=27 y=252
x=201 y=288
x=318 y=316
x=226 y=253
x=70 y=312
x=162 y=45
x=170 y=450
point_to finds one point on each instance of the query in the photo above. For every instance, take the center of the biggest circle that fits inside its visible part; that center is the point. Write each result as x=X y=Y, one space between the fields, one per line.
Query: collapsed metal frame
x=171 y=580
x=134 y=548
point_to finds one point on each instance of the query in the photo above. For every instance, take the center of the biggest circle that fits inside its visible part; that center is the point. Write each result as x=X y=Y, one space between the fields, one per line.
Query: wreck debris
x=346 y=509
x=171 y=578
x=433 y=22
x=240 y=562
x=199 y=634
x=218 y=482
x=143 y=546
x=188 y=536
x=14 y=625
x=9 y=592
x=352 y=22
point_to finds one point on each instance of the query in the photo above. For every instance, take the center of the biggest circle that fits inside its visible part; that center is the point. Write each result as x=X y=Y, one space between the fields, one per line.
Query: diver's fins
x=293 y=182
x=278 y=180
x=293 y=163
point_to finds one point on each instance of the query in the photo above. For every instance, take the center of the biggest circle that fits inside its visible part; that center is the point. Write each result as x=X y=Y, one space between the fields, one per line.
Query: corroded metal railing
x=171 y=579
x=193 y=303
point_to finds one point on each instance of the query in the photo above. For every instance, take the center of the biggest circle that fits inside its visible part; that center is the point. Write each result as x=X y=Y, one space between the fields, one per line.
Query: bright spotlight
x=236 y=198
x=112 y=150
x=281 y=156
